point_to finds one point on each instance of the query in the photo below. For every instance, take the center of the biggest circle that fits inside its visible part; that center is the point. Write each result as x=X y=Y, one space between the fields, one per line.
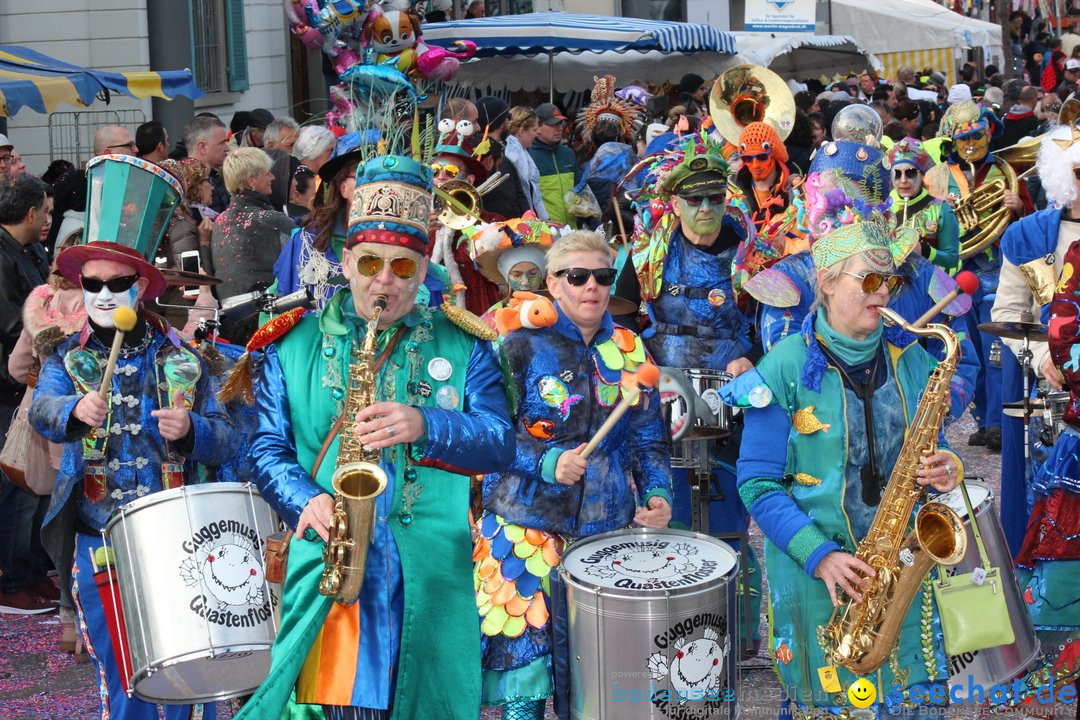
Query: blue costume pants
x=1014 y=504
x=987 y=412
x=115 y=704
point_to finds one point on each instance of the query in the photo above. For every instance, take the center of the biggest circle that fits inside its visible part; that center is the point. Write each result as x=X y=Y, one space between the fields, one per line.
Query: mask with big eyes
x=446 y=125
x=759 y=161
x=973 y=147
x=465 y=128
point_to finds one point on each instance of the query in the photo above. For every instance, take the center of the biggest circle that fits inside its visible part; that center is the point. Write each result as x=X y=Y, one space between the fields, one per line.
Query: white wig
x=1055 y=165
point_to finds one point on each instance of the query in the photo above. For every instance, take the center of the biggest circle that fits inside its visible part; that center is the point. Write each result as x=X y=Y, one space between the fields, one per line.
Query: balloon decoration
x=377 y=50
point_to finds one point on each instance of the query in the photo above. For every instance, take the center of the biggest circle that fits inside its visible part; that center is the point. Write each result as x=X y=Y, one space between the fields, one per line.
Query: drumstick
x=124 y=320
x=966 y=282
x=648 y=375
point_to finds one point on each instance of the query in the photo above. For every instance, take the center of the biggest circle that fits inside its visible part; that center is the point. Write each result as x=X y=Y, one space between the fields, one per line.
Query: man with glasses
x=410 y=642
x=158 y=420
x=971 y=164
x=761 y=190
x=114 y=140
x=684 y=269
x=11 y=165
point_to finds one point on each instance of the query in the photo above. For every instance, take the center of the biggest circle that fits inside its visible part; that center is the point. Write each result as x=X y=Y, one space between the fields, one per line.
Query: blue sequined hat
x=392 y=203
x=861 y=163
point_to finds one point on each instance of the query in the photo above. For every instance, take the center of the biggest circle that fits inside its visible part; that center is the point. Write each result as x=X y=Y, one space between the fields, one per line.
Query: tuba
x=751 y=93
x=357 y=480
x=861 y=635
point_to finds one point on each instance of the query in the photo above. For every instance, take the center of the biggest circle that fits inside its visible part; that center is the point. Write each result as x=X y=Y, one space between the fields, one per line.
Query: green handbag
x=974 y=615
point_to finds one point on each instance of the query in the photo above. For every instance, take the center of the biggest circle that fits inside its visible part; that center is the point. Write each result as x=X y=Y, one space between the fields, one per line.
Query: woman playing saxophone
x=846 y=392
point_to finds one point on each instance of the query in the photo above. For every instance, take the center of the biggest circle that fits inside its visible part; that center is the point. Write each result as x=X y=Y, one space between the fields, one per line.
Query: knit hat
x=959 y=93
x=761 y=137
x=392 y=203
x=691 y=83
x=910 y=152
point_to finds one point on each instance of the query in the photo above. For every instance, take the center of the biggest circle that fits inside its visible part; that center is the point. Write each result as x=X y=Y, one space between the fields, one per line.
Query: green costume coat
x=438 y=671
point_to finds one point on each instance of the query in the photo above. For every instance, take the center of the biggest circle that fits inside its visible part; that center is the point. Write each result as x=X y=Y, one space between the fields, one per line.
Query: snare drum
x=198 y=611
x=651 y=625
x=708 y=419
x=1003 y=663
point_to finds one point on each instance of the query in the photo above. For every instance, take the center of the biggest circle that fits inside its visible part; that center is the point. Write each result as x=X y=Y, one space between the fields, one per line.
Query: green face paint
x=704 y=219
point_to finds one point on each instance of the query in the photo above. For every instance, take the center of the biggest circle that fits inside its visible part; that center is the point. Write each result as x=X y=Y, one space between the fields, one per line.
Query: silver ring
x=390 y=430
x=948 y=469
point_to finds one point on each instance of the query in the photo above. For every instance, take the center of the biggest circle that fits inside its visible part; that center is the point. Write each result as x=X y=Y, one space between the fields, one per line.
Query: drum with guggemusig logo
x=197 y=616
x=651 y=625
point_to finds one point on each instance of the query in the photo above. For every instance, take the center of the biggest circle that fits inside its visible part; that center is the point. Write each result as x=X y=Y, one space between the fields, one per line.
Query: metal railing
x=71 y=134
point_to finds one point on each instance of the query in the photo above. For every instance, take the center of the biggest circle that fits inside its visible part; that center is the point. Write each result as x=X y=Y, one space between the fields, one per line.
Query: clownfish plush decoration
x=526 y=310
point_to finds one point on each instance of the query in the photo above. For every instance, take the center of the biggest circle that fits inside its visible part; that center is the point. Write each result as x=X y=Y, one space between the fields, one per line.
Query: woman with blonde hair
x=248 y=235
x=520 y=133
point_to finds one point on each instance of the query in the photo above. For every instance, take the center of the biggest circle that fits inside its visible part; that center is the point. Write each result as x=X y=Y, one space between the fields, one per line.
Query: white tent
x=804 y=56
x=913 y=32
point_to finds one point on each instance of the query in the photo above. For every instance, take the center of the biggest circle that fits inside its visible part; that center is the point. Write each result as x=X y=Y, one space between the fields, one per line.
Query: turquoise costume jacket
x=795 y=490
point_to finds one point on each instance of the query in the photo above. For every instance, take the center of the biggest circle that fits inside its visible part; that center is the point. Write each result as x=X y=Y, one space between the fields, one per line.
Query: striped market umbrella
x=30 y=79
x=511 y=47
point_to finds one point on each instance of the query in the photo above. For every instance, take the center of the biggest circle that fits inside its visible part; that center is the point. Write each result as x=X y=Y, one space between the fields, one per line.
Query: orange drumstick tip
x=124 y=318
x=648 y=374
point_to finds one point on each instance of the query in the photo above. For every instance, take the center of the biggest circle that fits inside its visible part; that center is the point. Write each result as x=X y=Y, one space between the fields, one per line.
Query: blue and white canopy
x=557 y=32
x=563 y=51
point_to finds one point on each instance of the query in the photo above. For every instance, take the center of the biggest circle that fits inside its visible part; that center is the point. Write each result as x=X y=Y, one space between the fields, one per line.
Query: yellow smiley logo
x=862 y=693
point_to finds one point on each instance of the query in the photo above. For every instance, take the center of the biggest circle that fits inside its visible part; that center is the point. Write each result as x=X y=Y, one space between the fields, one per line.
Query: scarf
x=850 y=351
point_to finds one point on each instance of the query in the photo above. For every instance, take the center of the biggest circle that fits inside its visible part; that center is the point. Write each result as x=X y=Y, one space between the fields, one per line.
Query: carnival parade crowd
x=388 y=395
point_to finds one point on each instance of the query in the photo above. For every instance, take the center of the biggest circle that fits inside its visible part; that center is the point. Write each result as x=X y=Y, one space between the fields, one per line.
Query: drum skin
x=649 y=626
x=199 y=614
x=1003 y=663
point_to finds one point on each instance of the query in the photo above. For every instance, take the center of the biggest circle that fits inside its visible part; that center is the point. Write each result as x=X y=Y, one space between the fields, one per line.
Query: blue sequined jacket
x=566 y=389
x=135 y=451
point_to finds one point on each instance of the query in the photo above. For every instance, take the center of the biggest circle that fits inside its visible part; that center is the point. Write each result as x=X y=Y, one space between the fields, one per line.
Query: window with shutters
x=218 y=47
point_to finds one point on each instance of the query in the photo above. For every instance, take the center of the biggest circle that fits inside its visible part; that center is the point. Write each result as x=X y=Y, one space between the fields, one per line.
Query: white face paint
x=101 y=305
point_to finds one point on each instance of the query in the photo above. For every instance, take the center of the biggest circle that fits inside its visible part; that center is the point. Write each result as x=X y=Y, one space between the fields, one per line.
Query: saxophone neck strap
x=336 y=428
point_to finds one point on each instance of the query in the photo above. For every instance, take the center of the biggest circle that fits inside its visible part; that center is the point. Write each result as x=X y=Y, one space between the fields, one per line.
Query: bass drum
x=1003 y=663
x=651 y=625
x=197 y=610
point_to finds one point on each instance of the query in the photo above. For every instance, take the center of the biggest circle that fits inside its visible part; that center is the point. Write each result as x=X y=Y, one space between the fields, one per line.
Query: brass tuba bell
x=751 y=93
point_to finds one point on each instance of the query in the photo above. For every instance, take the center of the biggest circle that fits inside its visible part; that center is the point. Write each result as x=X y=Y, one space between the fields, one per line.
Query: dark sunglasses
x=760 y=157
x=974 y=137
x=901 y=173
x=872 y=281
x=579 y=276
x=116 y=284
x=715 y=199
x=371 y=265
x=1076 y=173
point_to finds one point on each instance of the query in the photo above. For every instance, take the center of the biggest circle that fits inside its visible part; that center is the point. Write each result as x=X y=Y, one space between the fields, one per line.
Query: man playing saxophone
x=431 y=408
x=846 y=393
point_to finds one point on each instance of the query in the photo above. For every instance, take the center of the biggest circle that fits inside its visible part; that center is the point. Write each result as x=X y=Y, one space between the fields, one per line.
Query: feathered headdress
x=606 y=106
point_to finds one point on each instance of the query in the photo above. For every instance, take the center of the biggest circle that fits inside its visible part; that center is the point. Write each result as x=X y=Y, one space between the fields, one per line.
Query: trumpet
x=458 y=204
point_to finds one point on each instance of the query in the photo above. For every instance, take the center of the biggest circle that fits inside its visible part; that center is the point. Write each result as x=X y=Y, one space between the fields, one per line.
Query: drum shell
x=616 y=635
x=706 y=383
x=187 y=644
x=1003 y=663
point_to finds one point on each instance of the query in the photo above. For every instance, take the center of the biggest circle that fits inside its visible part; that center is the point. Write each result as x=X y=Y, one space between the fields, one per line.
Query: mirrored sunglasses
x=872 y=281
x=450 y=170
x=579 y=276
x=371 y=265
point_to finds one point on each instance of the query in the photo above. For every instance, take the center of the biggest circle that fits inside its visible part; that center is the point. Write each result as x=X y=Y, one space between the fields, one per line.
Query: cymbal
x=1015 y=409
x=1017 y=330
x=184 y=278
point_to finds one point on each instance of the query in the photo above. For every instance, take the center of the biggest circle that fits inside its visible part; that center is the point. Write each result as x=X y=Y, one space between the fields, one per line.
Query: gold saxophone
x=357 y=481
x=861 y=635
